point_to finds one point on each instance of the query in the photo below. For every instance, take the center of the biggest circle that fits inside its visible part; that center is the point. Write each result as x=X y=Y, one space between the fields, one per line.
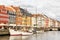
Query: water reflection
x=15 y=38
x=18 y=37
x=4 y=37
x=51 y=35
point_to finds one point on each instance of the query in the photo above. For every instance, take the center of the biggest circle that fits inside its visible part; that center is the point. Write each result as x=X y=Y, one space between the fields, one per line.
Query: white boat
x=18 y=33
x=14 y=33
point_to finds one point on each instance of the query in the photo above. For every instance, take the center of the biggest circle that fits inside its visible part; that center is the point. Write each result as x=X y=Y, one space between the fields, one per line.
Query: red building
x=4 y=17
x=46 y=22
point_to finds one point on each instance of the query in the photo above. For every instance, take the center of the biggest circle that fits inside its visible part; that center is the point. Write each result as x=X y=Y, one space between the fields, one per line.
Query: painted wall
x=4 y=18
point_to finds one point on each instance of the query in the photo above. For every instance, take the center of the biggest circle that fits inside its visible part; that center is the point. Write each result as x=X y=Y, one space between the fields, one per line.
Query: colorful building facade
x=12 y=14
x=19 y=16
x=18 y=20
x=37 y=20
x=4 y=17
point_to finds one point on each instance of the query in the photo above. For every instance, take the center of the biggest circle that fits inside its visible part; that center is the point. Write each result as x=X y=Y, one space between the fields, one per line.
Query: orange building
x=12 y=15
x=19 y=20
x=18 y=15
x=21 y=17
x=4 y=18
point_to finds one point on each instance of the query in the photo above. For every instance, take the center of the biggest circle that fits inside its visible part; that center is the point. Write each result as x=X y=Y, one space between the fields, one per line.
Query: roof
x=10 y=8
x=34 y=15
x=25 y=12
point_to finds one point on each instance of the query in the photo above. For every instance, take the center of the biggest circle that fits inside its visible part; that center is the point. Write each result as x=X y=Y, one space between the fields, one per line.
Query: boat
x=18 y=33
x=15 y=31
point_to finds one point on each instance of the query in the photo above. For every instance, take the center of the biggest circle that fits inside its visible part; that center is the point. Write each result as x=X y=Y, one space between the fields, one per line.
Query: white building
x=37 y=20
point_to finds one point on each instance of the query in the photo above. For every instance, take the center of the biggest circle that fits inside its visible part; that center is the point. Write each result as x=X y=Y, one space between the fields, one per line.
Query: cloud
x=50 y=14
x=49 y=7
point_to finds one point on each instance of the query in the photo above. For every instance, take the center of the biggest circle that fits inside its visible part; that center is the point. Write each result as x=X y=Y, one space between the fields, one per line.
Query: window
x=4 y=19
x=3 y=15
x=11 y=12
x=11 y=19
x=35 y=24
x=4 y=10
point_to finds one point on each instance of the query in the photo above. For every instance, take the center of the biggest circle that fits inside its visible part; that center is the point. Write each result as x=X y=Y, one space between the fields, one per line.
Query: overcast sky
x=51 y=8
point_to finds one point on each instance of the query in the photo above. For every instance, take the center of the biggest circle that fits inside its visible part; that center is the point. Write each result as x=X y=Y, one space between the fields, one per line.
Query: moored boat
x=16 y=31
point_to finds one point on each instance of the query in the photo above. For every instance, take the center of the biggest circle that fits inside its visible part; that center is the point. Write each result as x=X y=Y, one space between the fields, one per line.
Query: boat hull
x=19 y=33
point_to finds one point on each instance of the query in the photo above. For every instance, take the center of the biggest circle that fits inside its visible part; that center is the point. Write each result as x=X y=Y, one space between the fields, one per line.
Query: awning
x=3 y=24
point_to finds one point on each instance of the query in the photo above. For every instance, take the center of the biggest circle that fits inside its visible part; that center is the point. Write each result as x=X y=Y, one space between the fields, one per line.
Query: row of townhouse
x=14 y=15
x=54 y=23
x=41 y=20
x=19 y=16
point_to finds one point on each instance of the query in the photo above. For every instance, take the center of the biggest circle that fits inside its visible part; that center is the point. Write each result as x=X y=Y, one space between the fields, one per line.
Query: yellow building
x=24 y=21
x=29 y=21
x=22 y=16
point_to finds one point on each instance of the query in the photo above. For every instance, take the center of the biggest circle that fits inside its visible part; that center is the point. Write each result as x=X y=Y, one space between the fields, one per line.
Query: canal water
x=50 y=35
